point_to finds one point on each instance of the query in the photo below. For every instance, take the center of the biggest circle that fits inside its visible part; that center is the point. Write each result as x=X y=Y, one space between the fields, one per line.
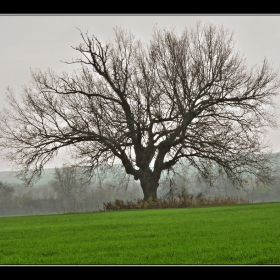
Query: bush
x=182 y=201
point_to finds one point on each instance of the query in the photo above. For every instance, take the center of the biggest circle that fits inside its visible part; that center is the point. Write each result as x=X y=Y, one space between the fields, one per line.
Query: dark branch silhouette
x=147 y=106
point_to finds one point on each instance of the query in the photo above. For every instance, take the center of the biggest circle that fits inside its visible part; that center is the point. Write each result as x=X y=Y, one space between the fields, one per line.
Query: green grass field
x=239 y=234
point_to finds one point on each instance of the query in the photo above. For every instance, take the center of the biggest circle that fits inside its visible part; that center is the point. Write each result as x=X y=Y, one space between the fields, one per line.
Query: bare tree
x=5 y=189
x=148 y=106
x=6 y=194
x=71 y=187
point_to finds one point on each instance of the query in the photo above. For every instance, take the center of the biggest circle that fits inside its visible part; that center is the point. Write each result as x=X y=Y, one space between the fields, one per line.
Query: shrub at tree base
x=180 y=202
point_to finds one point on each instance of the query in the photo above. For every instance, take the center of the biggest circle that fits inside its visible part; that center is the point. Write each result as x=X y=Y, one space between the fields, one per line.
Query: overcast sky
x=30 y=42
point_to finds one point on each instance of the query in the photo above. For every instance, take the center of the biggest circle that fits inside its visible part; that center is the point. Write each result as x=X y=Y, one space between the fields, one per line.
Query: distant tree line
x=70 y=191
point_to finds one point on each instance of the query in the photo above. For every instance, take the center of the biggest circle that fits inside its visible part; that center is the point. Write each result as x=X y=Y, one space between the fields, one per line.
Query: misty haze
x=139 y=139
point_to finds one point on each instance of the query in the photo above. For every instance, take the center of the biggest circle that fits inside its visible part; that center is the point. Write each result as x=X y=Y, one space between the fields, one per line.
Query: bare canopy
x=187 y=95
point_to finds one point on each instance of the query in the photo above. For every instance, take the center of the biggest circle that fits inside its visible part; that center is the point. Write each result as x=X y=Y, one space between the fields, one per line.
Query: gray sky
x=30 y=42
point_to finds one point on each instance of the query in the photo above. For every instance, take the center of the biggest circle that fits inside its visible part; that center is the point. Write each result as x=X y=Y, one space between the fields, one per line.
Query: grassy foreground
x=239 y=234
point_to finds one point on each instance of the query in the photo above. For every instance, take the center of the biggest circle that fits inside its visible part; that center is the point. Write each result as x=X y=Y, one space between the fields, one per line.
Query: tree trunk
x=149 y=186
